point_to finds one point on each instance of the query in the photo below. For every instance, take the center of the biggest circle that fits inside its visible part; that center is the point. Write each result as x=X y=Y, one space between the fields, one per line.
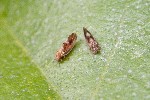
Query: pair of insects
x=70 y=42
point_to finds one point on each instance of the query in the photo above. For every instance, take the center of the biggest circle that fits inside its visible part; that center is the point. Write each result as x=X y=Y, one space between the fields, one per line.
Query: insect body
x=92 y=43
x=66 y=47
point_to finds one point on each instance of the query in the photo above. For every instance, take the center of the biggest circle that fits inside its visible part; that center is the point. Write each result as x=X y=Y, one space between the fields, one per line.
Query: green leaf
x=120 y=71
x=20 y=79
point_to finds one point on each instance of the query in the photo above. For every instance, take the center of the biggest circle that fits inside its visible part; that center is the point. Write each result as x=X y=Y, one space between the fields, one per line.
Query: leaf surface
x=120 y=71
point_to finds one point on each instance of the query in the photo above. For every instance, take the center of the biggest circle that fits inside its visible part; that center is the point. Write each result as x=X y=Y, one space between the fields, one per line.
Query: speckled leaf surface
x=20 y=79
x=122 y=27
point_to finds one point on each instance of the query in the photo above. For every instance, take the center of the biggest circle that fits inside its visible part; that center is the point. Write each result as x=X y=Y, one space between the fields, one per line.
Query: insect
x=92 y=43
x=66 y=47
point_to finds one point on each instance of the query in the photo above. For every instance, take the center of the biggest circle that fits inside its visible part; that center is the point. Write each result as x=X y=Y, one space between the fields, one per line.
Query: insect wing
x=92 y=43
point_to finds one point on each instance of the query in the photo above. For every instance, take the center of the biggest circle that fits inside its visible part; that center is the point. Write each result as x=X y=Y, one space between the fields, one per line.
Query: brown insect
x=66 y=47
x=92 y=43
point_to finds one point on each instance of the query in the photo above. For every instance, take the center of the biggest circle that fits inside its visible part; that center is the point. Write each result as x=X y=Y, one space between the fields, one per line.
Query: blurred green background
x=32 y=31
